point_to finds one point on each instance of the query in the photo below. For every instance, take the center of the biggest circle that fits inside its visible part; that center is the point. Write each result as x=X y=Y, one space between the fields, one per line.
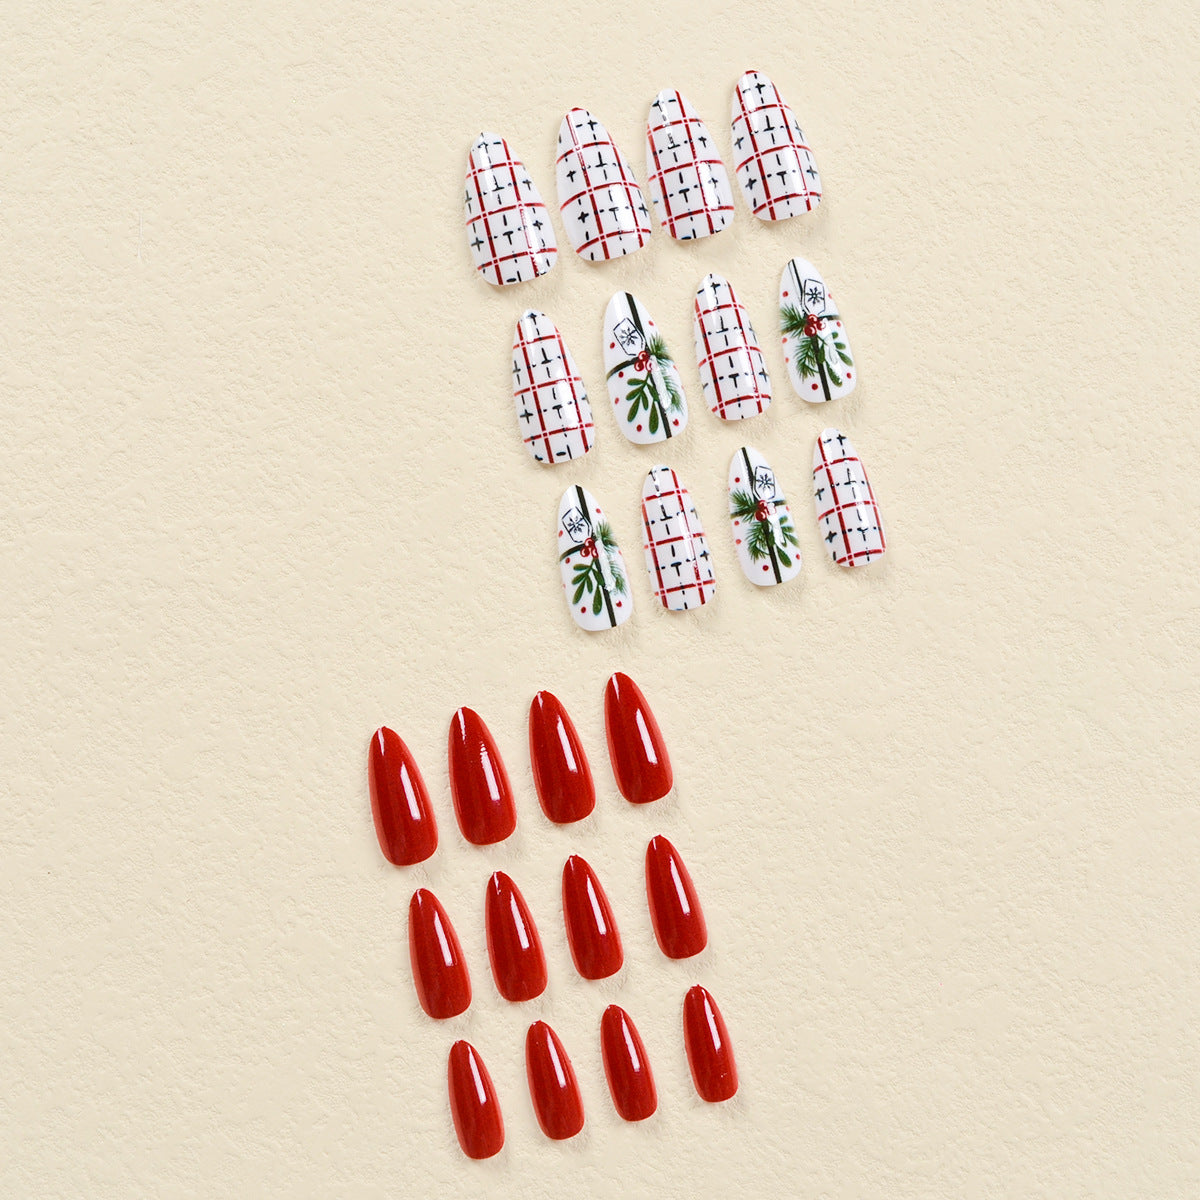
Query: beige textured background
x=262 y=492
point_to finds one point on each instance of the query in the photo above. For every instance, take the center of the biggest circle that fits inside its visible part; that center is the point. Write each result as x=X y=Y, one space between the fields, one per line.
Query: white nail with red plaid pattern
x=594 y=579
x=554 y=416
x=815 y=346
x=763 y=534
x=847 y=514
x=602 y=206
x=773 y=163
x=508 y=227
x=689 y=185
x=677 y=554
x=643 y=382
x=732 y=369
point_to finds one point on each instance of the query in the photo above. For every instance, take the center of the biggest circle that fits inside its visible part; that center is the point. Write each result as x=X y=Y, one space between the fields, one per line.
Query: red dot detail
x=814 y=387
x=639 y=429
x=785 y=293
x=676 y=421
x=765 y=567
x=848 y=375
x=612 y=345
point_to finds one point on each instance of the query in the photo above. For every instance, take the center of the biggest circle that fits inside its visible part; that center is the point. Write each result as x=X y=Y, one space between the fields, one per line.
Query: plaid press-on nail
x=731 y=364
x=508 y=228
x=847 y=514
x=688 y=181
x=643 y=382
x=773 y=163
x=677 y=555
x=553 y=414
x=763 y=534
x=594 y=578
x=815 y=346
x=602 y=206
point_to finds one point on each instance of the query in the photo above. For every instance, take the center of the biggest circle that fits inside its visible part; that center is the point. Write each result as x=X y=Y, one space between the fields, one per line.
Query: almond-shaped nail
x=709 y=1053
x=732 y=369
x=674 y=906
x=508 y=227
x=689 y=185
x=772 y=161
x=594 y=579
x=626 y=1067
x=763 y=534
x=474 y=1106
x=815 y=346
x=404 y=820
x=636 y=750
x=554 y=415
x=561 y=774
x=676 y=547
x=643 y=381
x=847 y=514
x=592 y=932
x=602 y=206
x=483 y=799
x=557 y=1102
x=438 y=967
x=514 y=948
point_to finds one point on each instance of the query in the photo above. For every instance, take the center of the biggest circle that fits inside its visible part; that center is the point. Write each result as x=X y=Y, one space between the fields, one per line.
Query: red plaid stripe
x=732 y=369
x=553 y=411
x=677 y=555
x=846 y=510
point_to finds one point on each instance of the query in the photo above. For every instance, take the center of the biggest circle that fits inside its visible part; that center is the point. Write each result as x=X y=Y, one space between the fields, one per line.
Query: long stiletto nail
x=674 y=906
x=594 y=579
x=439 y=969
x=709 y=1052
x=815 y=346
x=688 y=181
x=554 y=415
x=561 y=774
x=483 y=799
x=732 y=369
x=557 y=1103
x=474 y=1106
x=847 y=514
x=602 y=206
x=508 y=227
x=404 y=820
x=677 y=554
x=763 y=534
x=514 y=948
x=636 y=750
x=643 y=382
x=773 y=163
x=592 y=932
x=626 y=1067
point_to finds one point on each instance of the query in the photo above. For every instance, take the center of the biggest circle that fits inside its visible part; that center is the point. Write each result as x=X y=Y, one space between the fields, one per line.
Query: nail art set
x=486 y=814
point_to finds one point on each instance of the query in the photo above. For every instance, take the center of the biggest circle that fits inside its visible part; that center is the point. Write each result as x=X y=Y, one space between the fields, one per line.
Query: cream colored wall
x=262 y=492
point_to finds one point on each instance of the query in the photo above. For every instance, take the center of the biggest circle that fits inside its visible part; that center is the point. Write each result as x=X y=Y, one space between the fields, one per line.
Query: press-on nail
x=592 y=931
x=815 y=346
x=483 y=800
x=557 y=1103
x=677 y=554
x=709 y=1053
x=439 y=969
x=514 y=948
x=404 y=820
x=473 y=1103
x=643 y=382
x=728 y=356
x=554 y=416
x=561 y=774
x=594 y=579
x=626 y=1067
x=763 y=534
x=674 y=906
x=636 y=750
x=847 y=514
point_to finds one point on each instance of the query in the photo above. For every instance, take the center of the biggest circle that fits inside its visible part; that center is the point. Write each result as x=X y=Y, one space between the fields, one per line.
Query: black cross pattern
x=688 y=181
x=732 y=369
x=553 y=411
x=677 y=554
x=852 y=530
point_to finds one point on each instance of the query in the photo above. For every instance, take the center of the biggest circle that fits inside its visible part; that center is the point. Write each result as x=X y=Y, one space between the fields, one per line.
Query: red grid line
x=688 y=540
x=758 y=156
x=482 y=220
x=582 y=424
x=848 y=556
x=658 y=176
x=707 y=364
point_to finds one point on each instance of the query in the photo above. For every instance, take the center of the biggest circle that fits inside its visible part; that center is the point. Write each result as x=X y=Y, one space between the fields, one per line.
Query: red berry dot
x=814 y=387
x=676 y=421
x=785 y=293
x=583 y=608
x=620 y=603
x=848 y=375
x=612 y=345
x=620 y=374
x=738 y=542
x=639 y=429
x=765 y=567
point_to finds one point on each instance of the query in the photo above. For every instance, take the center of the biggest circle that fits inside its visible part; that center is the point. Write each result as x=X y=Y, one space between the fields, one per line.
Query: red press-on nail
x=473 y=1104
x=561 y=773
x=630 y=1081
x=709 y=1052
x=438 y=966
x=553 y=1088
x=592 y=932
x=636 y=748
x=483 y=799
x=674 y=907
x=515 y=950
x=404 y=820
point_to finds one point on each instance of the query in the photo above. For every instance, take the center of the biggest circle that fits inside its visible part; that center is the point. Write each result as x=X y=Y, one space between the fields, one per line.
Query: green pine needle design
x=812 y=351
x=759 y=537
x=588 y=578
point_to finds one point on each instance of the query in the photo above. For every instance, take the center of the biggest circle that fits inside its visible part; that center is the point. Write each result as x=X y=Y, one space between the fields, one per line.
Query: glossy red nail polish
x=515 y=950
x=483 y=799
x=404 y=819
x=592 y=932
x=438 y=966
x=674 y=907
x=557 y=1103
x=636 y=748
x=561 y=773
x=630 y=1081
x=473 y=1103
x=709 y=1052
